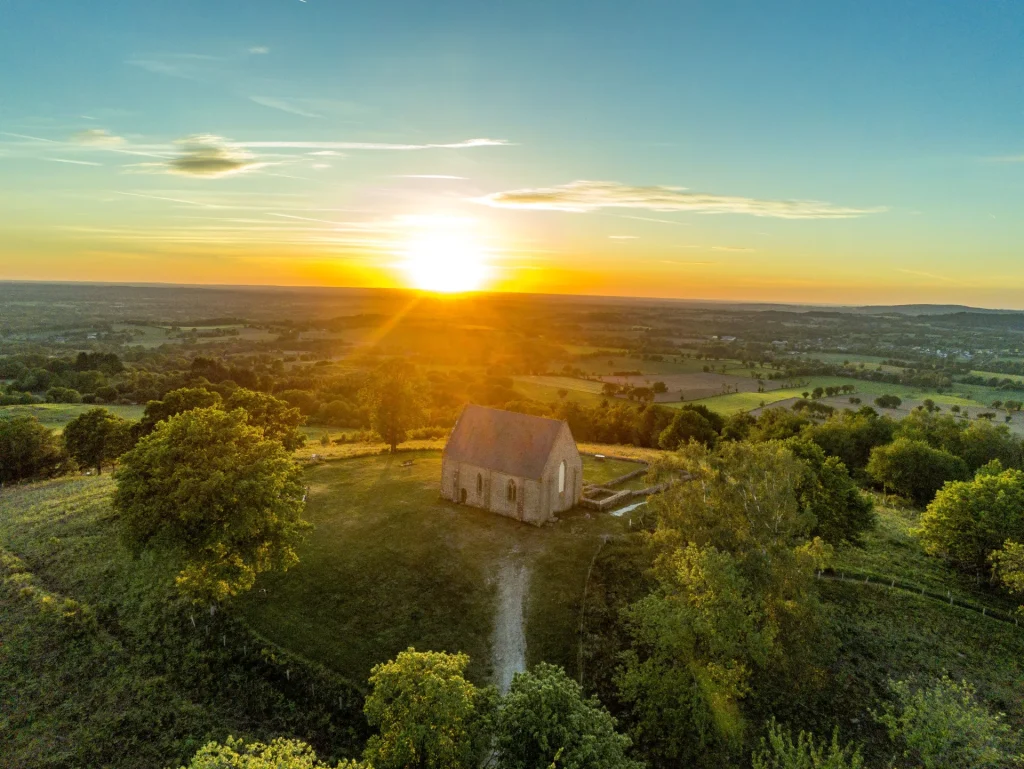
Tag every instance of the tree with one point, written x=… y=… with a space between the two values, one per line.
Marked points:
x=686 y=426
x=968 y=520
x=841 y=512
x=852 y=436
x=777 y=424
x=28 y=450
x=545 y=719
x=734 y=607
x=780 y=751
x=392 y=398
x=913 y=469
x=97 y=436
x=279 y=754
x=888 y=402
x=63 y=395
x=659 y=388
x=175 y=402
x=277 y=420
x=427 y=714
x=944 y=726
x=212 y=487
x=1008 y=567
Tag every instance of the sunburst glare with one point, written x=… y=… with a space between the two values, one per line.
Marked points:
x=445 y=255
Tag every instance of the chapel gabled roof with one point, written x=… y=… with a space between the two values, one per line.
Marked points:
x=506 y=441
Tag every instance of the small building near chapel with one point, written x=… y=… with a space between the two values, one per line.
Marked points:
x=518 y=465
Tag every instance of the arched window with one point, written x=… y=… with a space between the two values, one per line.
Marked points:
x=511 y=491
x=479 y=484
x=561 y=477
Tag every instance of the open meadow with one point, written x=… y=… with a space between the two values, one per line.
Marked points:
x=391 y=565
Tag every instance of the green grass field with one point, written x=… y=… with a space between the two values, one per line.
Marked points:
x=545 y=389
x=962 y=395
x=391 y=565
x=56 y=415
x=600 y=471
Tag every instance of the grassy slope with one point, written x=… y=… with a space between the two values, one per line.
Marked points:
x=137 y=685
x=892 y=634
x=391 y=565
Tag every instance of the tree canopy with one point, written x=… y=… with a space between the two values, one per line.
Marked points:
x=278 y=754
x=97 y=436
x=546 y=720
x=969 y=520
x=211 y=486
x=29 y=450
x=393 y=398
x=914 y=469
x=427 y=714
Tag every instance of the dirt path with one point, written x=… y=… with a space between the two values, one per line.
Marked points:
x=509 y=647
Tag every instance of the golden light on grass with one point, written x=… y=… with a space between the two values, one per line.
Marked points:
x=444 y=255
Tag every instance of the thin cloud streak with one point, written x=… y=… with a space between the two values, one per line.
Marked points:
x=585 y=196
x=467 y=144
x=74 y=162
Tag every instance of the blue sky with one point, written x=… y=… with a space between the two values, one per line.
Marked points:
x=854 y=152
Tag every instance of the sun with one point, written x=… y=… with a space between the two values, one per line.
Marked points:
x=445 y=256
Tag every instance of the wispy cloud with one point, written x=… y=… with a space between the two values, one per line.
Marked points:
x=284 y=105
x=732 y=249
x=584 y=196
x=313 y=145
x=427 y=176
x=259 y=50
x=623 y=237
x=75 y=162
x=188 y=66
x=97 y=137
x=931 y=275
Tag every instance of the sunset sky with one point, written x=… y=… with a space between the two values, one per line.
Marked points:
x=868 y=152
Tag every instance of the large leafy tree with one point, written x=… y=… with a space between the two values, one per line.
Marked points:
x=914 y=469
x=851 y=436
x=841 y=512
x=97 y=436
x=427 y=714
x=686 y=426
x=392 y=397
x=176 y=402
x=734 y=609
x=211 y=486
x=968 y=520
x=545 y=719
x=28 y=450
x=278 y=420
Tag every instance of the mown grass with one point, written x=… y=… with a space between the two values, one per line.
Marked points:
x=600 y=471
x=391 y=565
